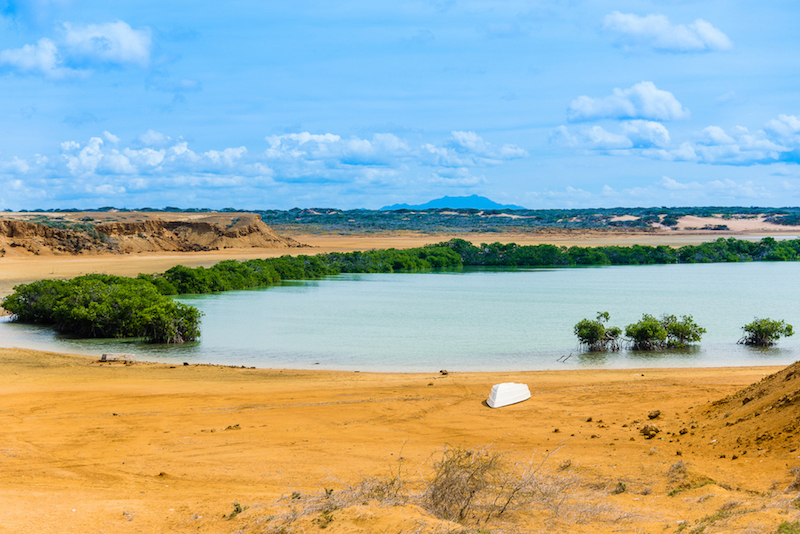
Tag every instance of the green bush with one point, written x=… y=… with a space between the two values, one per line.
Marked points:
x=647 y=334
x=104 y=306
x=594 y=336
x=651 y=333
x=765 y=332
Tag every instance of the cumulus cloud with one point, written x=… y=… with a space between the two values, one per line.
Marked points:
x=79 y=47
x=461 y=149
x=785 y=129
x=333 y=150
x=657 y=32
x=41 y=58
x=633 y=134
x=153 y=138
x=646 y=133
x=111 y=138
x=96 y=157
x=103 y=167
x=110 y=42
x=641 y=101
x=466 y=148
x=778 y=141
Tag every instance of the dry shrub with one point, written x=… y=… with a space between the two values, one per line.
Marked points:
x=795 y=485
x=677 y=470
x=730 y=505
x=462 y=481
x=476 y=484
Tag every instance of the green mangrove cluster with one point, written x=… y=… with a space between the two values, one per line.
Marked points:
x=668 y=332
x=113 y=306
x=98 y=305
x=721 y=250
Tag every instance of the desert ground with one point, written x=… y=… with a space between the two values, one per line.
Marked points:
x=108 y=447
x=91 y=446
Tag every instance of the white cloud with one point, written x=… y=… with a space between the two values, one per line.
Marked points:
x=674 y=185
x=779 y=141
x=641 y=101
x=76 y=47
x=601 y=139
x=657 y=32
x=646 y=133
x=590 y=138
x=110 y=42
x=786 y=128
x=562 y=136
x=461 y=149
x=146 y=157
x=42 y=59
x=466 y=148
x=156 y=166
x=714 y=135
x=153 y=138
x=15 y=167
x=111 y=138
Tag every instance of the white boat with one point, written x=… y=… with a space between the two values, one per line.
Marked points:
x=508 y=393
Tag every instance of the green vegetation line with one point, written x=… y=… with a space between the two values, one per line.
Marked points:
x=113 y=306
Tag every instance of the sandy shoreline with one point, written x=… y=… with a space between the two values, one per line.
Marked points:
x=153 y=447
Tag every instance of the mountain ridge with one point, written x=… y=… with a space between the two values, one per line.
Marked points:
x=466 y=202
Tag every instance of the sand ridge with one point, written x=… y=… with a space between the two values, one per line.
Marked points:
x=112 y=232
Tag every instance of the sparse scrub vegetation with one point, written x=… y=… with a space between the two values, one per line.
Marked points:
x=474 y=490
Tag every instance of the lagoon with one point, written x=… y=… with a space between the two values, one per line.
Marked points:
x=470 y=320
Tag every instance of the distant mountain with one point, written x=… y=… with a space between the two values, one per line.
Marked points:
x=470 y=202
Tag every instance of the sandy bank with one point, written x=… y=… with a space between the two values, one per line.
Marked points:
x=157 y=448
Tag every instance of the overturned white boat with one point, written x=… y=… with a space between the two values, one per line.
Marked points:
x=508 y=393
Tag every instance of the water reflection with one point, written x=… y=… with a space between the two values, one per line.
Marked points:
x=686 y=354
x=594 y=359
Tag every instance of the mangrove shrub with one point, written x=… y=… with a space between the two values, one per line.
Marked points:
x=104 y=306
x=651 y=333
x=765 y=332
x=594 y=336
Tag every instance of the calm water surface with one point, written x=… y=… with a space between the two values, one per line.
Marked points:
x=471 y=320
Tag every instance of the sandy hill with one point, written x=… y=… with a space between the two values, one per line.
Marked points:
x=24 y=234
x=761 y=419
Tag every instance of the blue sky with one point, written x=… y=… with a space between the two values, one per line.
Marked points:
x=350 y=104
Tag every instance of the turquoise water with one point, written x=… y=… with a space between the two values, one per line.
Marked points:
x=471 y=320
